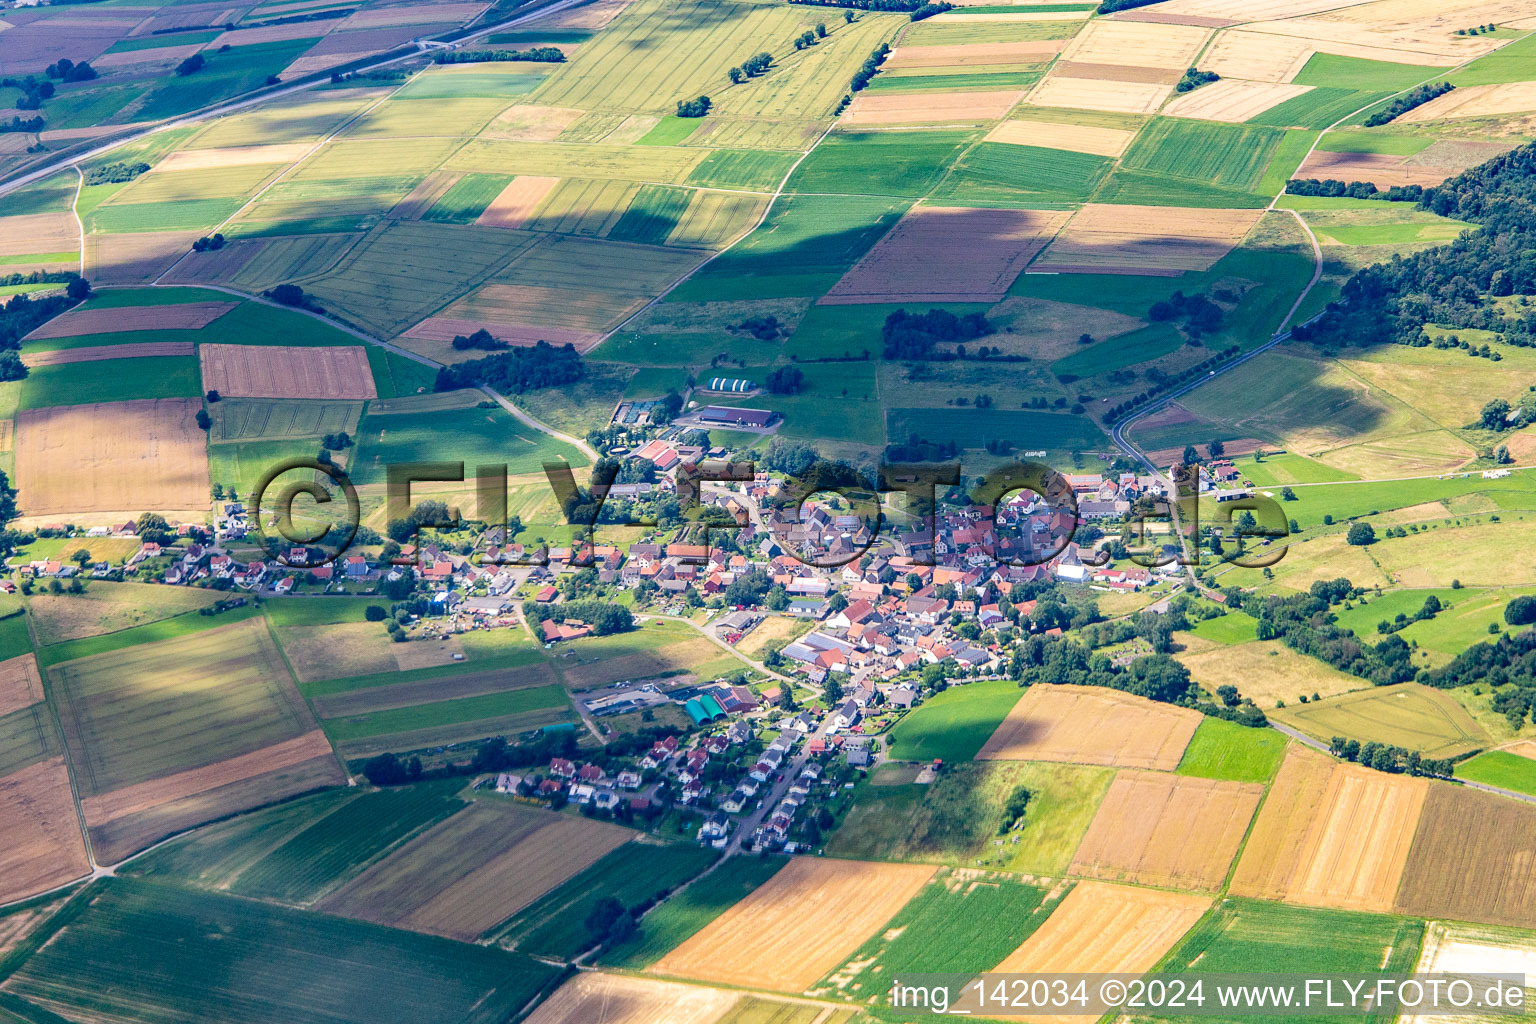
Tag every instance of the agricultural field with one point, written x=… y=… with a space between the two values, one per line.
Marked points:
x=953 y=725
x=1268 y=673
x=961 y=921
x=1089 y=725
x=767 y=940
x=1225 y=750
x=1463 y=864
x=165 y=952
x=1510 y=769
x=470 y=873
x=1405 y=715
x=108 y=607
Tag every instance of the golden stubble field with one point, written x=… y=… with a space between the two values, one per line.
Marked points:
x=612 y=999
x=42 y=846
x=1092 y=725
x=797 y=926
x=1160 y=829
x=145 y=455
x=1331 y=835
x=281 y=371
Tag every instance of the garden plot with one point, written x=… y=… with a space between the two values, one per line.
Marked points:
x=1076 y=138
x=1091 y=94
x=1092 y=725
x=1232 y=100
x=185 y=316
x=337 y=372
x=1145 y=239
x=114 y=457
x=1167 y=830
x=930 y=107
x=800 y=924
x=948 y=254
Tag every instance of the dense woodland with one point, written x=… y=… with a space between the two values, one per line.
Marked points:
x=1455 y=285
x=512 y=373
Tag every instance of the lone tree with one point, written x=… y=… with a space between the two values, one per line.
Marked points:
x=1217 y=449
x=203 y=419
x=1190 y=455
x=191 y=65
x=1360 y=534
x=1521 y=611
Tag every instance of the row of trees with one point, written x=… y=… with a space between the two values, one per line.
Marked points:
x=603 y=617
x=536 y=54
x=481 y=340
x=753 y=66
x=1417 y=98
x=66 y=70
x=1386 y=758
x=1165 y=383
x=696 y=107
x=33 y=91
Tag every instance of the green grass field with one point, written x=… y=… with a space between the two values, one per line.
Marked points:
x=1140 y=346
x=1232 y=628
x=1227 y=156
x=995 y=173
x=802 y=248
x=954 y=724
x=473 y=436
x=1502 y=769
x=555 y=924
x=1510 y=63
x=973 y=428
x=140 y=951
x=955 y=820
x=111 y=380
x=953 y=925
x=1226 y=750
x=687 y=912
x=742 y=169
x=1240 y=936
x=460 y=711
x=879 y=163
x=651 y=216
x=467 y=199
x=1406 y=715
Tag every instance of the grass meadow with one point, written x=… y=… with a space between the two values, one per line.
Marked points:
x=1502 y=769
x=1225 y=750
x=686 y=913
x=953 y=725
x=1406 y=715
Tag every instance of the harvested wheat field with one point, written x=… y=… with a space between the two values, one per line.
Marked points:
x=1077 y=138
x=39 y=233
x=1454 y=948
x=1089 y=94
x=1477 y=101
x=1100 y=927
x=1251 y=10
x=414 y=14
x=1168 y=830
x=1266 y=671
x=280 y=371
x=140 y=797
x=96 y=353
x=590 y=998
x=532 y=123
x=962 y=17
x=797 y=926
x=943 y=254
x=43 y=847
x=1092 y=725
x=1141 y=44
x=1380 y=169
x=470 y=873
x=1474 y=859
x=989 y=54
x=186 y=316
x=1336 y=840
x=1233 y=101
x=1132 y=238
x=931 y=107
x=145 y=455
x=1434 y=48
x=235 y=156
x=136 y=258
x=1256 y=57
x=20 y=685
x=514 y=207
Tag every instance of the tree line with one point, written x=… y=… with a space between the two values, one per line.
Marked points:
x=537 y=55
x=1386 y=758
x=1417 y=98
x=914 y=335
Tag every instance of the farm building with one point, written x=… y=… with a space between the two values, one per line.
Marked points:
x=704 y=709
x=732 y=385
x=733 y=416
